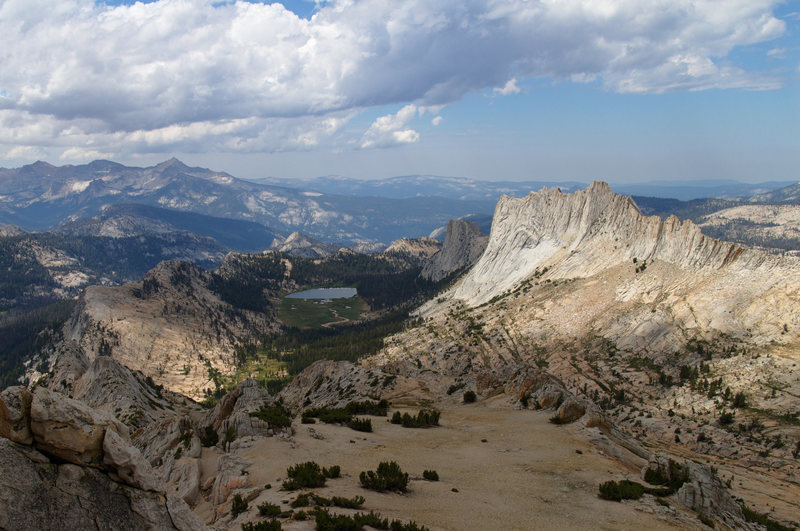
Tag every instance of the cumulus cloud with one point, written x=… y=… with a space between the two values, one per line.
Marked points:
x=509 y=88
x=391 y=130
x=436 y=120
x=235 y=75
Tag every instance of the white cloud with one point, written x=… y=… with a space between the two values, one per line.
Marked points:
x=776 y=52
x=391 y=129
x=199 y=75
x=76 y=154
x=436 y=120
x=509 y=88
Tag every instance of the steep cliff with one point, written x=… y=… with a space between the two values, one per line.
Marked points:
x=464 y=243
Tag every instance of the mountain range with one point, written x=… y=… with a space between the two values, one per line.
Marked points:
x=42 y=196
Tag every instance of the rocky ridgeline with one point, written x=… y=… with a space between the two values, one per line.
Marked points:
x=413 y=251
x=586 y=232
x=464 y=244
x=298 y=244
x=173 y=446
x=171 y=327
x=65 y=465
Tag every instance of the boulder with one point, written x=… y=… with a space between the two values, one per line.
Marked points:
x=128 y=463
x=570 y=411
x=70 y=430
x=15 y=410
x=182 y=517
x=229 y=477
x=184 y=480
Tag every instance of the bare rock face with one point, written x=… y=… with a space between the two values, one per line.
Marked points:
x=15 y=406
x=167 y=327
x=413 y=251
x=70 y=430
x=107 y=385
x=38 y=494
x=549 y=236
x=300 y=245
x=464 y=244
x=323 y=384
x=128 y=463
x=703 y=491
x=185 y=476
x=233 y=411
x=229 y=477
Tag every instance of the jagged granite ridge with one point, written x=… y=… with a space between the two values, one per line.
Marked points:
x=464 y=244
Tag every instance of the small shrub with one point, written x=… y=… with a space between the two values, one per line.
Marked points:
x=726 y=419
x=455 y=387
x=470 y=397
x=761 y=518
x=325 y=521
x=740 y=400
x=333 y=472
x=301 y=515
x=430 y=475
x=379 y=409
x=238 y=506
x=266 y=525
x=348 y=503
x=209 y=437
x=358 y=424
x=623 y=490
x=424 y=419
x=275 y=416
x=269 y=509
x=304 y=476
x=677 y=476
x=302 y=500
x=389 y=476
x=706 y=520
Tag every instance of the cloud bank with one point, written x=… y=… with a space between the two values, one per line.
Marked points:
x=201 y=75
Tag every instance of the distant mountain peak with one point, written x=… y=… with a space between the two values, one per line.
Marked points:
x=171 y=163
x=39 y=166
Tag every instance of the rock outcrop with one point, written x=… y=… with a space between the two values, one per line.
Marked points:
x=70 y=430
x=233 y=411
x=300 y=245
x=15 y=421
x=413 y=251
x=64 y=465
x=702 y=490
x=169 y=328
x=36 y=493
x=464 y=244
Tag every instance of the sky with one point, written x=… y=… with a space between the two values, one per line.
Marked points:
x=560 y=90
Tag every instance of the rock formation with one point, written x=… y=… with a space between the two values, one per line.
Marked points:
x=172 y=328
x=300 y=245
x=414 y=251
x=64 y=465
x=464 y=243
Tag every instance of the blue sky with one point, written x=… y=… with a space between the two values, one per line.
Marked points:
x=624 y=91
